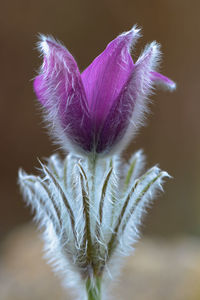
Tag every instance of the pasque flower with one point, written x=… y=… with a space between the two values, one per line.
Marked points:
x=90 y=204
x=100 y=109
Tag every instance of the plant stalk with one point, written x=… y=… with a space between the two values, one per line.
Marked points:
x=93 y=288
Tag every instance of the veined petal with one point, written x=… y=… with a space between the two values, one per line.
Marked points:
x=127 y=111
x=60 y=90
x=104 y=79
x=163 y=81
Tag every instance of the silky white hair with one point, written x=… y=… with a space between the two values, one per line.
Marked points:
x=90 y=211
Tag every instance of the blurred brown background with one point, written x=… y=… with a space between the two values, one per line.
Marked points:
x=86 y=26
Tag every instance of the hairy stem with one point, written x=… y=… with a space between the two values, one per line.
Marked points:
x=93 y=163
x=93 y=288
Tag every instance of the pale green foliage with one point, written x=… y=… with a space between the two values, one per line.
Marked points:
x=90 y=211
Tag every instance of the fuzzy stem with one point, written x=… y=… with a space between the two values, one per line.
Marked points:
x=93 y=288
x=93 y=172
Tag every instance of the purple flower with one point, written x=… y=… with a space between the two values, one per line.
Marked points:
x=100 y=109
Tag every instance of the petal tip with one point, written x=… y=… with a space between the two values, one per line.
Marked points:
x=172 y=86
x=155 y=47
x=42 y=44
x=135 y=30
x=132 y=35
x=46 y=42
x=163 y=81
x=151 y=56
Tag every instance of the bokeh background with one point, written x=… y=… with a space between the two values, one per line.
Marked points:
x=85 y=27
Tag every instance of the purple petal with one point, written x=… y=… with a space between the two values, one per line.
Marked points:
x=163 y=81
x=39 y=89
x=60 y=90
x=104 y=79
x=127 y=111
